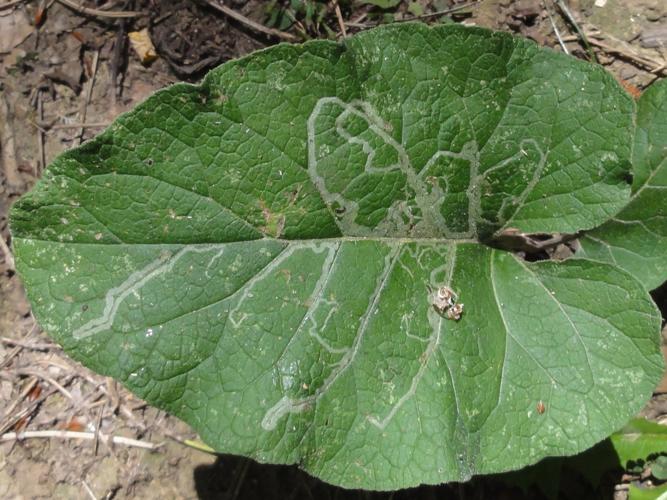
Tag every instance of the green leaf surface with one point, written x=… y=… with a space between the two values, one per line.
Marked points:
x=656 y=493
x=639 y=440
x=261 y=254
x=636 y=239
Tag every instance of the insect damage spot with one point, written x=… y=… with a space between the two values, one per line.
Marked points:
x=274 y=223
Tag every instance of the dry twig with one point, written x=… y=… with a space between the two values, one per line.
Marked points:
x=11 y=422
x=50 y=380
x=250 y=23
x=652 y=65
x=61 y=126
x=28 y=345
x=9 y=5
x=443 y=12
x=99 y=13
x=47 y=127
x=26 y=390
x=40 y=136
x=98 y=425
x=555 y=28
x=89 y=93
x=12 y=354
x=339 y=16
x=358 y=24
x=584 y=39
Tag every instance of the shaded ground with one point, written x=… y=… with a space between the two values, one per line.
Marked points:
x=61 y=69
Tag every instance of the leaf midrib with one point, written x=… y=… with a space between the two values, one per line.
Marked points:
x=344 y=239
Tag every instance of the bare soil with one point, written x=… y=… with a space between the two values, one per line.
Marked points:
x=61 y=68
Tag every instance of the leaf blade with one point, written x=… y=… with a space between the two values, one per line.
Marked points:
x=636 y=238
x=258 y=255
x=380 y=388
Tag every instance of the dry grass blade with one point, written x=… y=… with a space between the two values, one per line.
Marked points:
x=48 y=434
x=89 y=491
x=584 y=39
x=555 y=28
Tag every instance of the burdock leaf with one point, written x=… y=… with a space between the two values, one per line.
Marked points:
x=290 y=256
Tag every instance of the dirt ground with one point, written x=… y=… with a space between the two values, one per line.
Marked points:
x=66 y=72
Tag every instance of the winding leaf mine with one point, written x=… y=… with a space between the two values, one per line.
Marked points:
x=261 y=255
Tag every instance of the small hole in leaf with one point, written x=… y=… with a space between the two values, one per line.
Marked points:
x=628 y=177
x=338 y=209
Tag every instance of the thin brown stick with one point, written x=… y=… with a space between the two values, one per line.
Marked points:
x=555 y=28
x=89 y=93
x=443 y=12
x=12 y=354
x=9 y=5
x=120 y=47
x=48 y=379
x=250 y=23
x=24 y=393
x=570 y=17
x=98 y=424
x=46 y=127
x=358 y=24
x=358 y=20
x=652 y=65
x=41 y=137
x=11 y=422
x=14 y=436
x=62 y=126
x=27 y=345
x=60 y=363
x=339 y=16
x=99 y=13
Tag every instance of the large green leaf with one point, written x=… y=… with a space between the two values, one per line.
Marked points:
x=636 y=239
x=260 y=256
